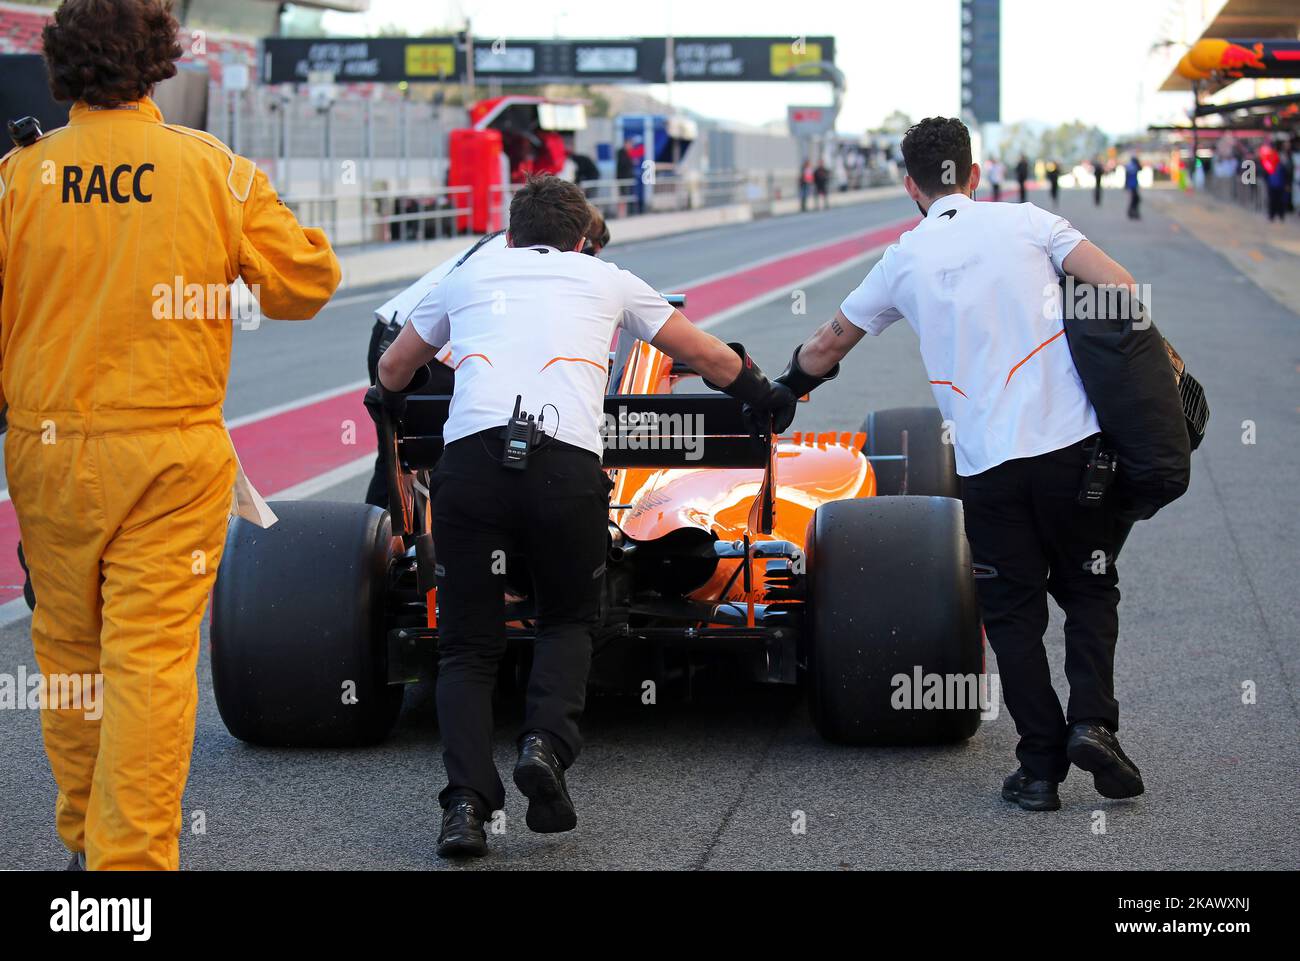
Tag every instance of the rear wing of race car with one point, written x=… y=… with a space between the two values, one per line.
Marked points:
x=638 y=431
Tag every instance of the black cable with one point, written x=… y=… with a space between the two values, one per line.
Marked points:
x=549 y=437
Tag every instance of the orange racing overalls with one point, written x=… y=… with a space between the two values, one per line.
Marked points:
x=120 y=238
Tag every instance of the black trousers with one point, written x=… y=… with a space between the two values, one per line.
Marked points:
x=554 y=517
x=1029 y=538
x=1134 y=205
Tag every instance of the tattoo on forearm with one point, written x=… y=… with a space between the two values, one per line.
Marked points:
x=837 y=328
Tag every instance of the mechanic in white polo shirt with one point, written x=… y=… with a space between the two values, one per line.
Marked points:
x=978 y=283
x=393 y=315
x=530 y=325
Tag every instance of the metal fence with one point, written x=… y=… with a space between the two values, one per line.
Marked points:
x=347 y=138
x=375 y=170
x=401 y=214
x=383 y=215
x=1231 y=188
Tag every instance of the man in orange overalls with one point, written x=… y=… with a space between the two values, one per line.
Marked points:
x=120 y=237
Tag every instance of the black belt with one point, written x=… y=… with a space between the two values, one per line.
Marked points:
x=491 y=439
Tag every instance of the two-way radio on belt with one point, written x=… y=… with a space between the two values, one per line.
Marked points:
x=520 y=436
x=25 y=132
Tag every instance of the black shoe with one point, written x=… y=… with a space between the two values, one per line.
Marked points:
x=78 y=863
x=1029 y=792
x=539 y=775
x=462 y=834
x=1095 y=748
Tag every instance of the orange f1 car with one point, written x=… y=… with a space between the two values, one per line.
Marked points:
x=835 y=559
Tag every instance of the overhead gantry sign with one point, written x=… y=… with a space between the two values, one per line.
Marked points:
x=634 y=60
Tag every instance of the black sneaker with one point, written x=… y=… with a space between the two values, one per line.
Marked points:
x=1029 y=792
x=462 y=834
x=1095 y=748
x=78 y=863
x=540 y=776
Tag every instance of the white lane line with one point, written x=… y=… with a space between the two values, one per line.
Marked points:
x=783 y=255
x=11 y=612
x=274 y=411
x=322 y=482
x=824 y=274
x=380 y=296
x=297 y=404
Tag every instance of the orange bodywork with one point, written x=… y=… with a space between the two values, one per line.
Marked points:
x=809 y=470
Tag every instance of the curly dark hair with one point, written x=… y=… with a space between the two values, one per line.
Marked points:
x=936 y=152
x=107 y=52
x=551 y=211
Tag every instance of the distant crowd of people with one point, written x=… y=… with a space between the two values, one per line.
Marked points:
x=814 y=181
x=995 y=172
x=848 y=167
x=1271 y=165
x=1279 y=171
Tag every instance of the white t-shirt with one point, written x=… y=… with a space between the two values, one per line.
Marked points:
x=978 y=283
x=537 y=323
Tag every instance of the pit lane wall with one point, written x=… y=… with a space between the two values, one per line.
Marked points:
x=388 y=263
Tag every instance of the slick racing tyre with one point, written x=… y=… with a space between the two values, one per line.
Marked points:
x=299 y=647
x=930 y=469
x=892 y=612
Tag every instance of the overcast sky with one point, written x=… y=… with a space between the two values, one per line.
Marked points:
x=1061 y=59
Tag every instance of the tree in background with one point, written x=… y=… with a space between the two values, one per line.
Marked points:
x=1018 y=140
x=1072 y=143
x=1068 y=144
x=897 y=122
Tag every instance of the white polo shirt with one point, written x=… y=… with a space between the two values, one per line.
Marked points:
x=978 y=283
x=534 y=322
x=411 y=302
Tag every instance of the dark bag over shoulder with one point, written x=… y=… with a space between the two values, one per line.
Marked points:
x=1151 y=411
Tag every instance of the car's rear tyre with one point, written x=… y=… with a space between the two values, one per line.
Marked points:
x=890 y=591
x=299 y=652
x=931 y=468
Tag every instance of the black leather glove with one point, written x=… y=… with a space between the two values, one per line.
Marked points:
x=799 y=381
x=379 y=398
x=769 y=407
